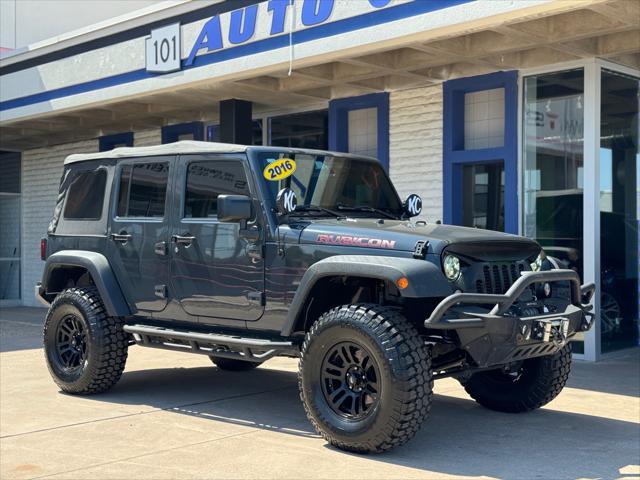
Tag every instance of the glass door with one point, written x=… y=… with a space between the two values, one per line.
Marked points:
x=619 y=203
x=553 y=160
x=9 y=228
x=483 y=195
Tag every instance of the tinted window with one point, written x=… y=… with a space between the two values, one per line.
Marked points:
x=143 y=190
x=301 y=130
x=207 y=180
x=86 y=196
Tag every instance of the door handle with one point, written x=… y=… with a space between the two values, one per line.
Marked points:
x=183 y=239
x=120 y=237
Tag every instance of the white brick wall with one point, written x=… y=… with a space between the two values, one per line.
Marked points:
x=145 y=138
x=41 y=171
x=415 y=146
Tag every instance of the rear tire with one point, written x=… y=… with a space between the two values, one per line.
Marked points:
x=365 y=378
x=85 y=349
x=536 y=383
x=233 y=365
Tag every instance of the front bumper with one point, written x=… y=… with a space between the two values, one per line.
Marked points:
x=490 y=332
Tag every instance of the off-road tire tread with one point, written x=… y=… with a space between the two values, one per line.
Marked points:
x=106 y=334
x=410 y=361
x=554 y=373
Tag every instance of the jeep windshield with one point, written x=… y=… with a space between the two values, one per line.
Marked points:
x=327 y=185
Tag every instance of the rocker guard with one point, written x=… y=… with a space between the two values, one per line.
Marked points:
x=493 y=337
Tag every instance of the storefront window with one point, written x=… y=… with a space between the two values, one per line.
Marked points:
x=619 y=163
x=483 y=196
x=363 y=131
x=9 y=227
x=553 y=166
x=484 y=119
x=300 y=130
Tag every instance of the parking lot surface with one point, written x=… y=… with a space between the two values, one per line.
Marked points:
x=174 y=415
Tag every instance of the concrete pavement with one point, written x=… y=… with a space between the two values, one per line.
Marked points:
x=174 y=415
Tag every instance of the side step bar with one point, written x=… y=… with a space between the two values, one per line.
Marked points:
x=227 y=346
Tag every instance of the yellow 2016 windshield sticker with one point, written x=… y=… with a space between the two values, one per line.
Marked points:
x=279 y=169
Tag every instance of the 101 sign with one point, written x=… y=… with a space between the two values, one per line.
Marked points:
x=163 y=49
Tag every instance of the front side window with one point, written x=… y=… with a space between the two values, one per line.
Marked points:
x=206 y=180
x=86 y=196
x=337 y=183
x=143 y=190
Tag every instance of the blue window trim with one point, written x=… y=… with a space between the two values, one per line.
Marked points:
x=109 y=142
x=171 y=133
x=455 y=156
x=339 y=122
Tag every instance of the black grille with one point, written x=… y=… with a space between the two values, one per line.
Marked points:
x=497 y=278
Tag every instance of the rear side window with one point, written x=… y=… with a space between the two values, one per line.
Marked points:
x=207 y=180
x=143 y=190
x=86 y=196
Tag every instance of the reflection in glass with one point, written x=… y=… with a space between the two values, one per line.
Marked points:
x=301 y=130
x=10 y=203
x=483 y=196
x=553 y=127
x=619 y=211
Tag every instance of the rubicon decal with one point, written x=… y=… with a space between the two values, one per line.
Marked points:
x=355 y=241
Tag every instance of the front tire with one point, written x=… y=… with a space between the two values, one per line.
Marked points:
x=534 y=384
x=85 y=349
x=365 y=378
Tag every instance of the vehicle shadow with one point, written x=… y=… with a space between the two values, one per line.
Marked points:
x=459 y=438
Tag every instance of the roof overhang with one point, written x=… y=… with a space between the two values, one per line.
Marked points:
x=341 y=57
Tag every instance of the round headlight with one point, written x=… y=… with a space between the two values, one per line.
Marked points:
x=537 y=264
x=451 y=266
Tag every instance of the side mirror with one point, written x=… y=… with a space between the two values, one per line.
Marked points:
x=234 y=208
x=413 y=205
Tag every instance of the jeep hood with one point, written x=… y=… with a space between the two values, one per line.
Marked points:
x=402 y=235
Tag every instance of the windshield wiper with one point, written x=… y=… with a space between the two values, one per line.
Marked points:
x=315 y=208
x=366 y=208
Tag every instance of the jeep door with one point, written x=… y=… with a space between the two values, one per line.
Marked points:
x=139 y=230
x=217 y=269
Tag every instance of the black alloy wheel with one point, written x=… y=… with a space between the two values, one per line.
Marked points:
x=71 y=343
x=350 y=380
x=85 y=349
x=365 y=377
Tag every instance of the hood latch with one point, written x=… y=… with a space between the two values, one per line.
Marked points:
x=420 y=250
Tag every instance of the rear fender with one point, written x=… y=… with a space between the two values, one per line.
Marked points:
x=100 y=271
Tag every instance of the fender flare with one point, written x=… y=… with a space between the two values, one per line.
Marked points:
x=101 y=272
x=425 y=278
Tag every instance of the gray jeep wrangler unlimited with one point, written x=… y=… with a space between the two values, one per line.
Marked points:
x=244 y=253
